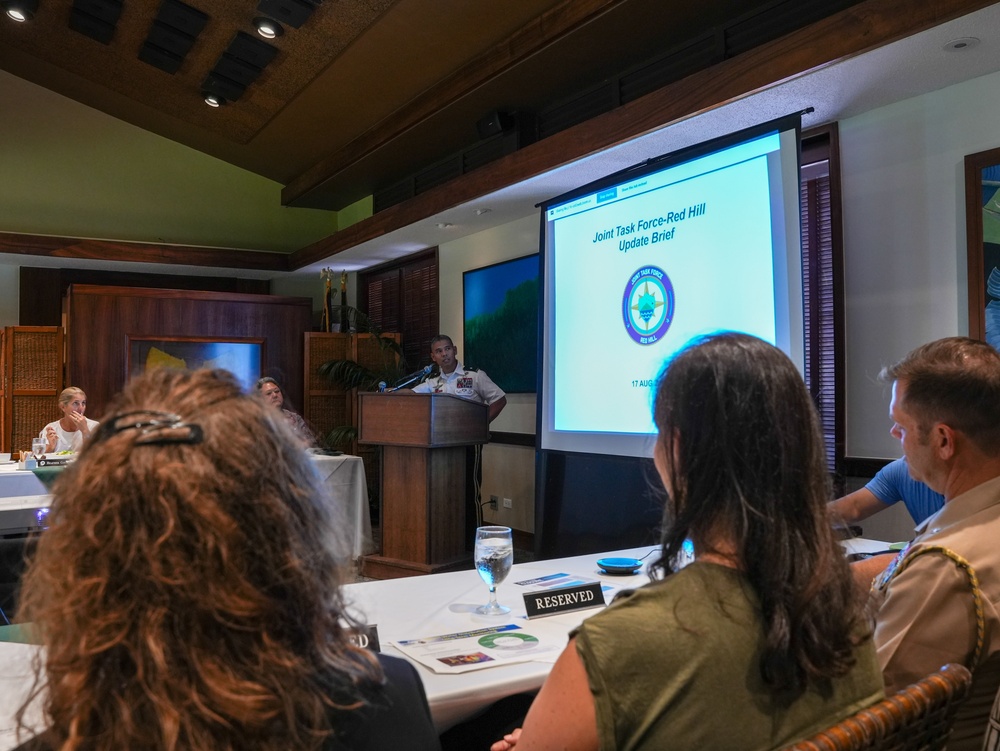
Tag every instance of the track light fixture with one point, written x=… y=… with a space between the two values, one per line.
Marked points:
x=20 y=10
x=213 y=100
x=267 y=28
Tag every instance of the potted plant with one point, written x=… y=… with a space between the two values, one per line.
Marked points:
x=383 y=368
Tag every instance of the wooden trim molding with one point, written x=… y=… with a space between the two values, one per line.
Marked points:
x=188 y=294
x=114 y=250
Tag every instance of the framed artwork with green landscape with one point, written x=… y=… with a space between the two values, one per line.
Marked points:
x=501 y=323
x=982 y=224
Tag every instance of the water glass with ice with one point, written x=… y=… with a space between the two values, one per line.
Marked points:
x=494 y=554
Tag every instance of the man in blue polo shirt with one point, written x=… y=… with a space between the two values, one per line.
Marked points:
x=891 y=485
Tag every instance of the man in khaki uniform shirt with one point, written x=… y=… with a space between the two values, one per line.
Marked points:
x=946 y=414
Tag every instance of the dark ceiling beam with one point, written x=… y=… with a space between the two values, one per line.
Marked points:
x=851 y=32
x=112 y=250
x=544 y=30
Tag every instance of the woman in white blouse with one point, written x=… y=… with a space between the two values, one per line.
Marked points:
x=70 y=431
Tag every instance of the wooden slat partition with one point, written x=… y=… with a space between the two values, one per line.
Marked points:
x=33 y=378
x=326 y=405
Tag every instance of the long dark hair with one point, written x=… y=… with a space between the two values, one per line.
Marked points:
x=746 y=465
x=186 y=589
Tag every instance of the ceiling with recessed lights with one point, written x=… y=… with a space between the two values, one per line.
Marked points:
x=356 y=95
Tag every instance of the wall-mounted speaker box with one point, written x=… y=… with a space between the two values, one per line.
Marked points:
x=494 y=122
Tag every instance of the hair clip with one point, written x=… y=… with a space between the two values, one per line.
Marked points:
x=155 y=428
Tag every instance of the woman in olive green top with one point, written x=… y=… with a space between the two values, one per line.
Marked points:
x=762 y=640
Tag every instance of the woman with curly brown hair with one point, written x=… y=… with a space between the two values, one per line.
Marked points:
x=187 y=594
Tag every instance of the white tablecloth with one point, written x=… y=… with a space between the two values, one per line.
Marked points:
x=444 y=603
x=425 y=606
x=343 y=479
x=415 y=606
x=23 y=513
x=16 y=676
x=16 y=482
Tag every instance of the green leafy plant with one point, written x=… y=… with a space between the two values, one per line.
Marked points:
x=387 y=365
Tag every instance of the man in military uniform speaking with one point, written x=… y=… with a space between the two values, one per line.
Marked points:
x=452 y=378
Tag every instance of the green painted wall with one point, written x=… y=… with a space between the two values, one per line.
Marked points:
x=69 y=170
x=355 y=212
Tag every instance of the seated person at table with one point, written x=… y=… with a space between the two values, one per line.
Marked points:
x=939 y=601
x=70 y=431
x=890 y=485
x=273 y=395
x=762 y=640
x=187 y=594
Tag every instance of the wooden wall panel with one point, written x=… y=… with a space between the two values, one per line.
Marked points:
x=100 y=319
x=41 y=290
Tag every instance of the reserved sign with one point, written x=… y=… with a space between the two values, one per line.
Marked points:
x=538 y=604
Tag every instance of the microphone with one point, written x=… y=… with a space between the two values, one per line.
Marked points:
x=418 y=375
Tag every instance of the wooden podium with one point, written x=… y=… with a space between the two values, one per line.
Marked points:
x=423 y=478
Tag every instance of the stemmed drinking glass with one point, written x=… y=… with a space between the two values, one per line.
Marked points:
x=38 y=447
x=494 y=556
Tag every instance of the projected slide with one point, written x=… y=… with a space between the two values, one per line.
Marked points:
x=635 y=270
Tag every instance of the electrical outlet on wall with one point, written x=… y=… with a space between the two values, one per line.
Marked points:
x=507 y=503
x=493 y=502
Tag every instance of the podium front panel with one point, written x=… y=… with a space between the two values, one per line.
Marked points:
x=422 y=420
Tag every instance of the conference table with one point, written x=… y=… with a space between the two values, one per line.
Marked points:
x=344 y=485
x=415 y=608
x=24 y=501
x=21 y=514
x=441 y=604
x=19 y=482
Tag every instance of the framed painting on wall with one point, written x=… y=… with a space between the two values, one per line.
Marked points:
x=982 y=217
x=501 y=322
x=243 y=357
